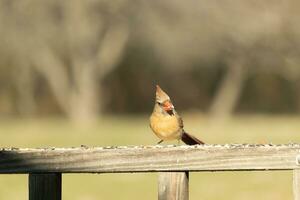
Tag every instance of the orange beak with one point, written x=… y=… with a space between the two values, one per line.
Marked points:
x=167 y=106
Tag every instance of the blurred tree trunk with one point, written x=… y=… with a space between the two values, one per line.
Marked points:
x=93 y=51
x=229 y=91
x=291 y=72
x=75 y=92
x=55 y=73
x=85 y=101
x=297 y=84
x=25 y=86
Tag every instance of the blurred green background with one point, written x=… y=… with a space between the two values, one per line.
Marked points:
x=84 y=73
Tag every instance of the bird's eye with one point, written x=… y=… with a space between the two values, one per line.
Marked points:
x=159 y=103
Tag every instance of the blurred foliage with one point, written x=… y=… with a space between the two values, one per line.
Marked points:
x=84 y=58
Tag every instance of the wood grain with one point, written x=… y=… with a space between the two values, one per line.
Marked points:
x=296 y=184
x=45 y=186
x=173 y=186
x=150 y=158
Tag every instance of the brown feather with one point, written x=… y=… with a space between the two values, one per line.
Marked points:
x=190 y=140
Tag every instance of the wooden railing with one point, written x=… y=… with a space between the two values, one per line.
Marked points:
x=45 y=165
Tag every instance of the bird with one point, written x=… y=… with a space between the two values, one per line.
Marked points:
x=166 y=123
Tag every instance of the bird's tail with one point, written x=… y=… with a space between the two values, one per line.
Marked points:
x=190 y=140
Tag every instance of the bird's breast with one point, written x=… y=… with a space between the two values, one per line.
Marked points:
x=166 y=127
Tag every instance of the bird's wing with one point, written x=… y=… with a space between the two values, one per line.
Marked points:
x=180 y=121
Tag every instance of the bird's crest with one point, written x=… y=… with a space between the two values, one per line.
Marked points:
x=161 y=96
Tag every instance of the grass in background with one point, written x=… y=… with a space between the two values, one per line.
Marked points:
x=130 y=130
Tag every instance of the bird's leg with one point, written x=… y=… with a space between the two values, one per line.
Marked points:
x=160 y=141
x=178 y=142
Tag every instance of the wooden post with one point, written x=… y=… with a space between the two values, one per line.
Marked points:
x=296 y=184
x=173 y=186
x=45 y=186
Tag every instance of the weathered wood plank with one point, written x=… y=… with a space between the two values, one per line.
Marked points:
x=173 y=186
x=296 y=184
x=45 y=186
x=150 y=159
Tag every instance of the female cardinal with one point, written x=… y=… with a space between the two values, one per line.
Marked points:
x=166 y=123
